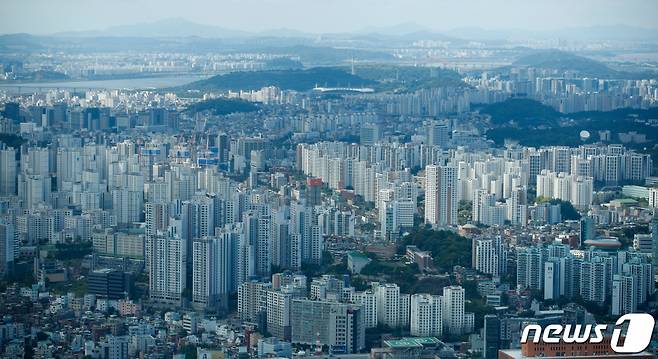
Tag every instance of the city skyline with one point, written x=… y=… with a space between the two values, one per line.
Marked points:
x=314 y=179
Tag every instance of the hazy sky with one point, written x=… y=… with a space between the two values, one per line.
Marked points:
x=49 y=16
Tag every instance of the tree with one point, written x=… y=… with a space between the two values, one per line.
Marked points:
x=567 y=210
x=448 y=248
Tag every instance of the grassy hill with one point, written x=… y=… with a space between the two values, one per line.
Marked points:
x=299 y=80
x=222 y=106
x=521 y=113
x=379 y=77
x=410 y=78
x=568 y=132
x=565 y=61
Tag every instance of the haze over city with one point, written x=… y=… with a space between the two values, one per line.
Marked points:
x=336 y=16
x=328 y=179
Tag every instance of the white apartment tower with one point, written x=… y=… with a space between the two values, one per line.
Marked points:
x=388 y=304
x=368 y=301
x=453 y=310
x=441 y=195
x=213 y=271
x=426 y=316
x=167 y=270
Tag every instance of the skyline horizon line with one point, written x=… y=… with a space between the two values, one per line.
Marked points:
x=383 y=29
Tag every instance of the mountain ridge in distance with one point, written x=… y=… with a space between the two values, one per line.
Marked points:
x=585 y=33
x=181 y=27
x=170 y=27
x=566 y=61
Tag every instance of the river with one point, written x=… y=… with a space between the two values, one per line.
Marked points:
x=117 y=84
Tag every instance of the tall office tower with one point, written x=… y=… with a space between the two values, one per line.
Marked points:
x=7 y=248
x=491 y=336
x=167 y=270
x=369 y=134
x=368 y=302
x=108 y=283
x=8 y=169
x=587 y=229
x=489 y=256
x=127 y=205
x=157 y=217
x=426 y=317
x=552 y=275
x=530 y=267
x=388 y=304
x=59 y=114
x=338 y=325
x=313 y=191
x=438 y=134
x=280 y=239
x=535 y=166
x=213 y=266
x=453 y=310
x=223 y=147
x=624 y=296
x=441 y=195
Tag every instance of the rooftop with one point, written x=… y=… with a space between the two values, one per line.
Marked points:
x=412 y=342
